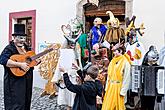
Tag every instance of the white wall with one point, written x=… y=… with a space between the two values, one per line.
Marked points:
x=152 y=13
x=50 y=15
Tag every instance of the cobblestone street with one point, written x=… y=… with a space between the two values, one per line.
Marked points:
x=38 y=103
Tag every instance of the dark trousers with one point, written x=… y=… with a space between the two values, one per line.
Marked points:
x=18 y=92
x=147 y=102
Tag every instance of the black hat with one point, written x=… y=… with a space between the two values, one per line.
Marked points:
x=19 y=30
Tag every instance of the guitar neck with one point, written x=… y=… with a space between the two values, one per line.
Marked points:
x=41 y=54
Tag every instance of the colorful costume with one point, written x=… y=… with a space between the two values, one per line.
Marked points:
x=114 y=31
x=134 y=48
x=117 y=84
x=98 y=31
x=136 y=52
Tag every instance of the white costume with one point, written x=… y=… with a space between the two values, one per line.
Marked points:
x=136 y=51
x=67 y=57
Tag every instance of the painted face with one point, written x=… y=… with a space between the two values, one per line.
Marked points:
x=132 y=36
x=20 y=40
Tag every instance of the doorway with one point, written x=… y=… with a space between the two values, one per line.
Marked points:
x=91 y=11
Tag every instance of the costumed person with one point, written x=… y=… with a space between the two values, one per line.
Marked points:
x=102 y=62
x=135 y=53
x=83 y=45
x=114 y=32
x=86 y=92
x=98 y=32
x=134 y=48
x=118 y=80
x=17 y=89
x=149 y=65
x=69 y=53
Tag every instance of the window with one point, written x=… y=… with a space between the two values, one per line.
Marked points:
x=29 y=19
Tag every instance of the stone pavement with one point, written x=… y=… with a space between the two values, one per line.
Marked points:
x=38 y=103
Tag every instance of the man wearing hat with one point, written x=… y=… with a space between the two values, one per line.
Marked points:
x=17 y=89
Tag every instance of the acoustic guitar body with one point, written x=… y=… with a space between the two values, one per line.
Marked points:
x=22 y=58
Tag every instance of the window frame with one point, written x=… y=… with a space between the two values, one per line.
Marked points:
x=23 y=14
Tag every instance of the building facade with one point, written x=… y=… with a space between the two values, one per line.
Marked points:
x=44 y=20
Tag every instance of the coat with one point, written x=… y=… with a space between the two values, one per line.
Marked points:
x=95 y=33
x=85 y=94
x=17 y=90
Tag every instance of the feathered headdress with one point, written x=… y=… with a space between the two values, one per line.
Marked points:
x=131 y=26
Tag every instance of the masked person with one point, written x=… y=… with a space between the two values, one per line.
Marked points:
x=98 y=32
x=17 y=90
x=114 y=32
x=150 y=65
x=135 y=51
x=69 y=54
x=118 y=80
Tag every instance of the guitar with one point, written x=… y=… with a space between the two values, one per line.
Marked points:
x=30 y=58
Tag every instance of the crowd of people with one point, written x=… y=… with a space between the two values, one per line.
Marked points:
x=100 y=81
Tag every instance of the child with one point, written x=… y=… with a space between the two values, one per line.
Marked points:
x=86 y=93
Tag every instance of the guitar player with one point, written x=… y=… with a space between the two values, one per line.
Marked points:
x=17 y=90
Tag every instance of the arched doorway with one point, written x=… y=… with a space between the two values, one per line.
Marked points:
x=87 y=11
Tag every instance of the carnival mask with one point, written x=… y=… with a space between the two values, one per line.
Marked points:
x=20 y=40
x=132 y=36
x=72 y=31
x=153 y=55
